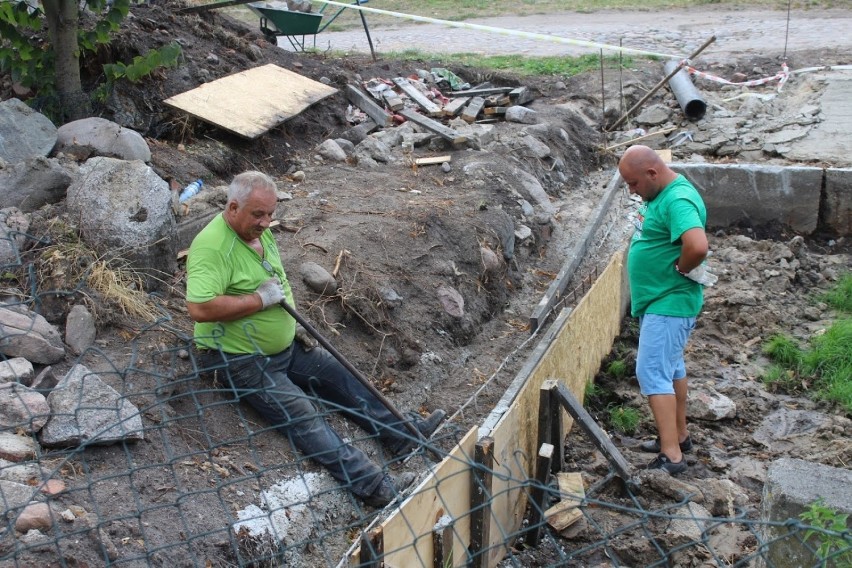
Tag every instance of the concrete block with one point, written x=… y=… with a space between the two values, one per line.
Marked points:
x=756 y=195
x=791 y=486
x=837 y=214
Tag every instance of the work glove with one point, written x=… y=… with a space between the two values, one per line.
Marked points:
x=701 y=274
x=270 y=292
x=306 y=339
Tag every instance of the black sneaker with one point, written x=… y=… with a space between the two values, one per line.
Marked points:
x=426 y=426
x=388 y=489
x=663 y=462
x=653 y=446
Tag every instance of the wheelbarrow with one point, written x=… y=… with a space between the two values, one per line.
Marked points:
x=276 y=20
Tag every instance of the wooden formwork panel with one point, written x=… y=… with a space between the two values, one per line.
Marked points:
x=407 y=534
x=573 y=358
x=572 y=354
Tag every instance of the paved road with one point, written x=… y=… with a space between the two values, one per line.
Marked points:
x=739 y=32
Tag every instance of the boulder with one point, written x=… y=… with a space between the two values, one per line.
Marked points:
x=35 y=182
x=24 y=133
x=125 y=211
x=95 y=136
x=27 y=334
x=86 y=410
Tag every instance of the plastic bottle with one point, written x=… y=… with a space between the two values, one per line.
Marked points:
x=190 y=190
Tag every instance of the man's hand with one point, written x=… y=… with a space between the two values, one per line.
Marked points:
x=306 y=339
x=270 y=292
x=700 y=274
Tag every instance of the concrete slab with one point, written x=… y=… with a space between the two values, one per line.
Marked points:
x=837 y=214
x=829 y=141
x=791 y=486
x=755 y=194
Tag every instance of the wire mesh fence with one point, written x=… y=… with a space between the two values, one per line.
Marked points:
x=135 y=453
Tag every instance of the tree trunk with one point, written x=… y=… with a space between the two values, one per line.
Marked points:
x=63 y=18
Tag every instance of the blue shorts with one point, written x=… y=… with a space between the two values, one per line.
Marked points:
x=659 y=362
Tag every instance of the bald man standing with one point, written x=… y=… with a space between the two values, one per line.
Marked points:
x=664 y=265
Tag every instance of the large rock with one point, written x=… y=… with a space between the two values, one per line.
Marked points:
x=13 y=234
x=22 y=408
x=36 y=182
x=24 y=133
x=84 y=409
x=15 y=496
x=27 y=334
x=125 y=211
x=80 y=329
x=16 y=448
x=96 y=136
x=16 y=370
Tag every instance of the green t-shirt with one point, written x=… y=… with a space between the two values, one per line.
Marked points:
x=220 y=263
x=655 y=285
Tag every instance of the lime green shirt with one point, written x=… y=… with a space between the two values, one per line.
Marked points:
x=655 y=285
x=220 y=263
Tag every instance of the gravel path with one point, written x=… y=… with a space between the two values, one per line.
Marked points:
x=739 y=32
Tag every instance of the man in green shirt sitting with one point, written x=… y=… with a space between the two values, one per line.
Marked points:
x=235 y=283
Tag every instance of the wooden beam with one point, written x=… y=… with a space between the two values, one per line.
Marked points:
x=495 y=111
x=594 y=432
x=480 y=92
x=473 y=109
x=567 y=512
x=538 y=493
x=442 y=541
x=556 y=430
x=545 y=394
x=480 y=502
x=372 y=549
x=434 y=126
x=454 y=107
x=433 y=160
x=430 y=107
x=358 y=98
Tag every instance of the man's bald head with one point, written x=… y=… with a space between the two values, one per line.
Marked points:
x=644 y=172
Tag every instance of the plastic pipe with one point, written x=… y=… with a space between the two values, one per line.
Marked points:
x=687 y=95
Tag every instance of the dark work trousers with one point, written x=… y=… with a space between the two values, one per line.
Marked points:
x=281 y=388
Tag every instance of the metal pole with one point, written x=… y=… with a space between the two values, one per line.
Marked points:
x=660 y=84
x=349 y=367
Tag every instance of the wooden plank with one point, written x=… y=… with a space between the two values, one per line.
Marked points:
x=557 y=432
x=372 y=549
x=495 y=111
x=433 y=160
x=473 y=109
x=538 y=493
x=480 y=92
x=566 y=512
x=393 y=100
x=360 y=99
x=422 y=100
x=454 y=107
x=442 y=541
x=251 y=102
x=434 y=126
x=595 y=433
x=480 y=502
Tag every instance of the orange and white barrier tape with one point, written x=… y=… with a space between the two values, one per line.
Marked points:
x=781 y=77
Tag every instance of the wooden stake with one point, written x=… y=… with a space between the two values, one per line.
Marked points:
x=480 y=502
x=538 y=494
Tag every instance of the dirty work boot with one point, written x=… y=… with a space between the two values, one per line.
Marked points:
x=663 y=462
x=653 y=446
x=426 y=426
x=388 y=489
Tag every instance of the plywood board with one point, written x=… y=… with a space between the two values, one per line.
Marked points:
x=408 y=532
x=251 y=102
x=573 y=358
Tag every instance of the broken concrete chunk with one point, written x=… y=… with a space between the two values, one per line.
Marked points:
x=710 y=405
x=84 y=409
x=521 y=114
x=27 y=334
x=654 y=115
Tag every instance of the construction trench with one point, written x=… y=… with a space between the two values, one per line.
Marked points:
x=491 y=488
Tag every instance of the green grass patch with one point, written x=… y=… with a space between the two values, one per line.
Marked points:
x=840 y=295
x=552 y=65
x=823 y=369
x=827 y=534
x=617 y=369
x=623 y=419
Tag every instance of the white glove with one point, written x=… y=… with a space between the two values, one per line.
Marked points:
x=270 y=292
x=700 y=274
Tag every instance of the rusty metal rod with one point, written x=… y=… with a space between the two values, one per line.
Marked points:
x=355 y=372
x=659 y=85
